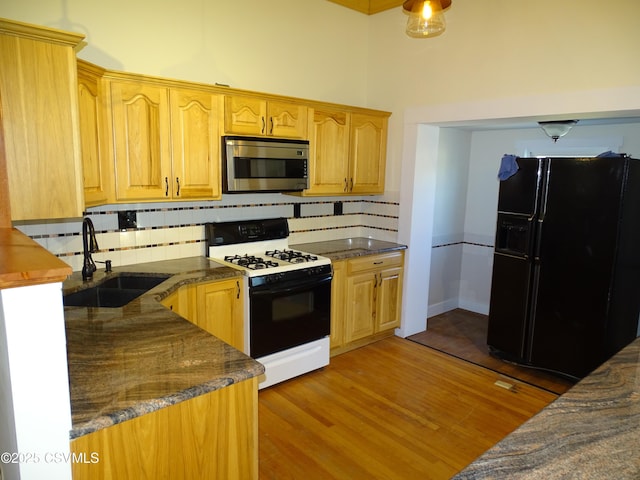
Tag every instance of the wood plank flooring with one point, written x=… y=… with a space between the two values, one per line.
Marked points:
x=394 y=410
x=464 y=334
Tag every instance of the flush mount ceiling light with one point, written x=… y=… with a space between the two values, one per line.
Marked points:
x=557 y=129
x=426 y=17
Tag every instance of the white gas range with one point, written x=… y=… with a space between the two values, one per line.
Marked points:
x=288 y=298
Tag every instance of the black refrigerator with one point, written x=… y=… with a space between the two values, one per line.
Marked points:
x=565 y=291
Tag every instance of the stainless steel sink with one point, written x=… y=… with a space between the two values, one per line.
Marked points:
x=114 y=292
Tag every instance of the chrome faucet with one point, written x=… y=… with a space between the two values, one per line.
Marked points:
x=89 y=245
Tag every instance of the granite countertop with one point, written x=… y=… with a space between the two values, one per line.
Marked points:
x=129 y=361
x=590 y=432
x=349 y=247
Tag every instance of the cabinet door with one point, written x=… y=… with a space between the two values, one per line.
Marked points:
x=368 y=153
x=287 y=120
x=196 y=144
x=91 y=130
x=360 y=306
x=338 y=304
x=388 y=299
x=220 y=311
x=328 y=153
x=38 y=87
x=245 y=115
x=141 y=136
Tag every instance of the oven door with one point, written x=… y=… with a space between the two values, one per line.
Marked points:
x=286 y=314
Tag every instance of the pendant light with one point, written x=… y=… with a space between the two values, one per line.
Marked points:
x=426 y=17
x=557 y=129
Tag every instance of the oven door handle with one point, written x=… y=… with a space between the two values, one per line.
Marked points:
x=289 y=287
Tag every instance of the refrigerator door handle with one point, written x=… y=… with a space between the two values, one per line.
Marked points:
x=538 y=243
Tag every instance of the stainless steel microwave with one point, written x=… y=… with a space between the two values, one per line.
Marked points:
x=252 y=164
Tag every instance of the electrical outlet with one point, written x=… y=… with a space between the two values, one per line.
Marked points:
x=126 y=219
x=296 y=210
x=337 y=208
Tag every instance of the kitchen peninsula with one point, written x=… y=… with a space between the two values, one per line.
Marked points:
x=590 y=432
x=145 y=380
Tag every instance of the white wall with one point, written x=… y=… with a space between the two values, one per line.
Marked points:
x=34 y=383
x=448 y=220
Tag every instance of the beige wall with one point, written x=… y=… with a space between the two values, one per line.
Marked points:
x=323 y=51
x=313 y=51
x=517 y=49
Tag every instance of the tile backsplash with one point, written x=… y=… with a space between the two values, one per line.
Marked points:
x=174 y=230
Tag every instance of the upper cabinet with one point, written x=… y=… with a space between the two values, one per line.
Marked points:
x=246 y=115
x=38 y=88
x=92 y=130
x=165 y=141
x=347 y=152
x=368 y=153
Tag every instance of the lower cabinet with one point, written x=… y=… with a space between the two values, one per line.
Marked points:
x=219 y=311
x=214 y=435
x=216 y=307
x=366 y=299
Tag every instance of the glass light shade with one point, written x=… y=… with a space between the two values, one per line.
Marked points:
x=427 y=21
x=557 y=129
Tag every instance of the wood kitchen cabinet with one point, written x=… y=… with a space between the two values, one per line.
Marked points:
x=165 y=141
x=246 y=115
x=368 y=290
x=216 y=307
x=214 y=435
x=347 y=152
x=220 y=311
x=38 y=87
x=92 y=134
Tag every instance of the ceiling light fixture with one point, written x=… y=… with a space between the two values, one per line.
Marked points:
x=426 y=17
x=557 y=129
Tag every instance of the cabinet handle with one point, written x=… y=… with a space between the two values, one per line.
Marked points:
x=351 y=188
x=263 y=126
x=166 y=182
x=178 y=184
x=380 y=262
x=271 y=132
x=238 y=291
x=345 y=185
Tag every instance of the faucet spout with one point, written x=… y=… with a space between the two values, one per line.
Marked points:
x=89 y=246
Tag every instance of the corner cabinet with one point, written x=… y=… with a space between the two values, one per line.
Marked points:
x=217 y=307
x=38 y=88
x=368 y=290
x=347 y=152
x=165 y=141
x=220 y=311
x=246 y=115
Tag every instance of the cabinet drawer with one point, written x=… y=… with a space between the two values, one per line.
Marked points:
x=373 y=262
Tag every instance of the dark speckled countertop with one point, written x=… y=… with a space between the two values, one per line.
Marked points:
x=590 y=432
x=125 y=362
x=129 y=361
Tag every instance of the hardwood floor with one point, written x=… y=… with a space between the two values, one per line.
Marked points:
x=464 y=334
x=394 y=410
